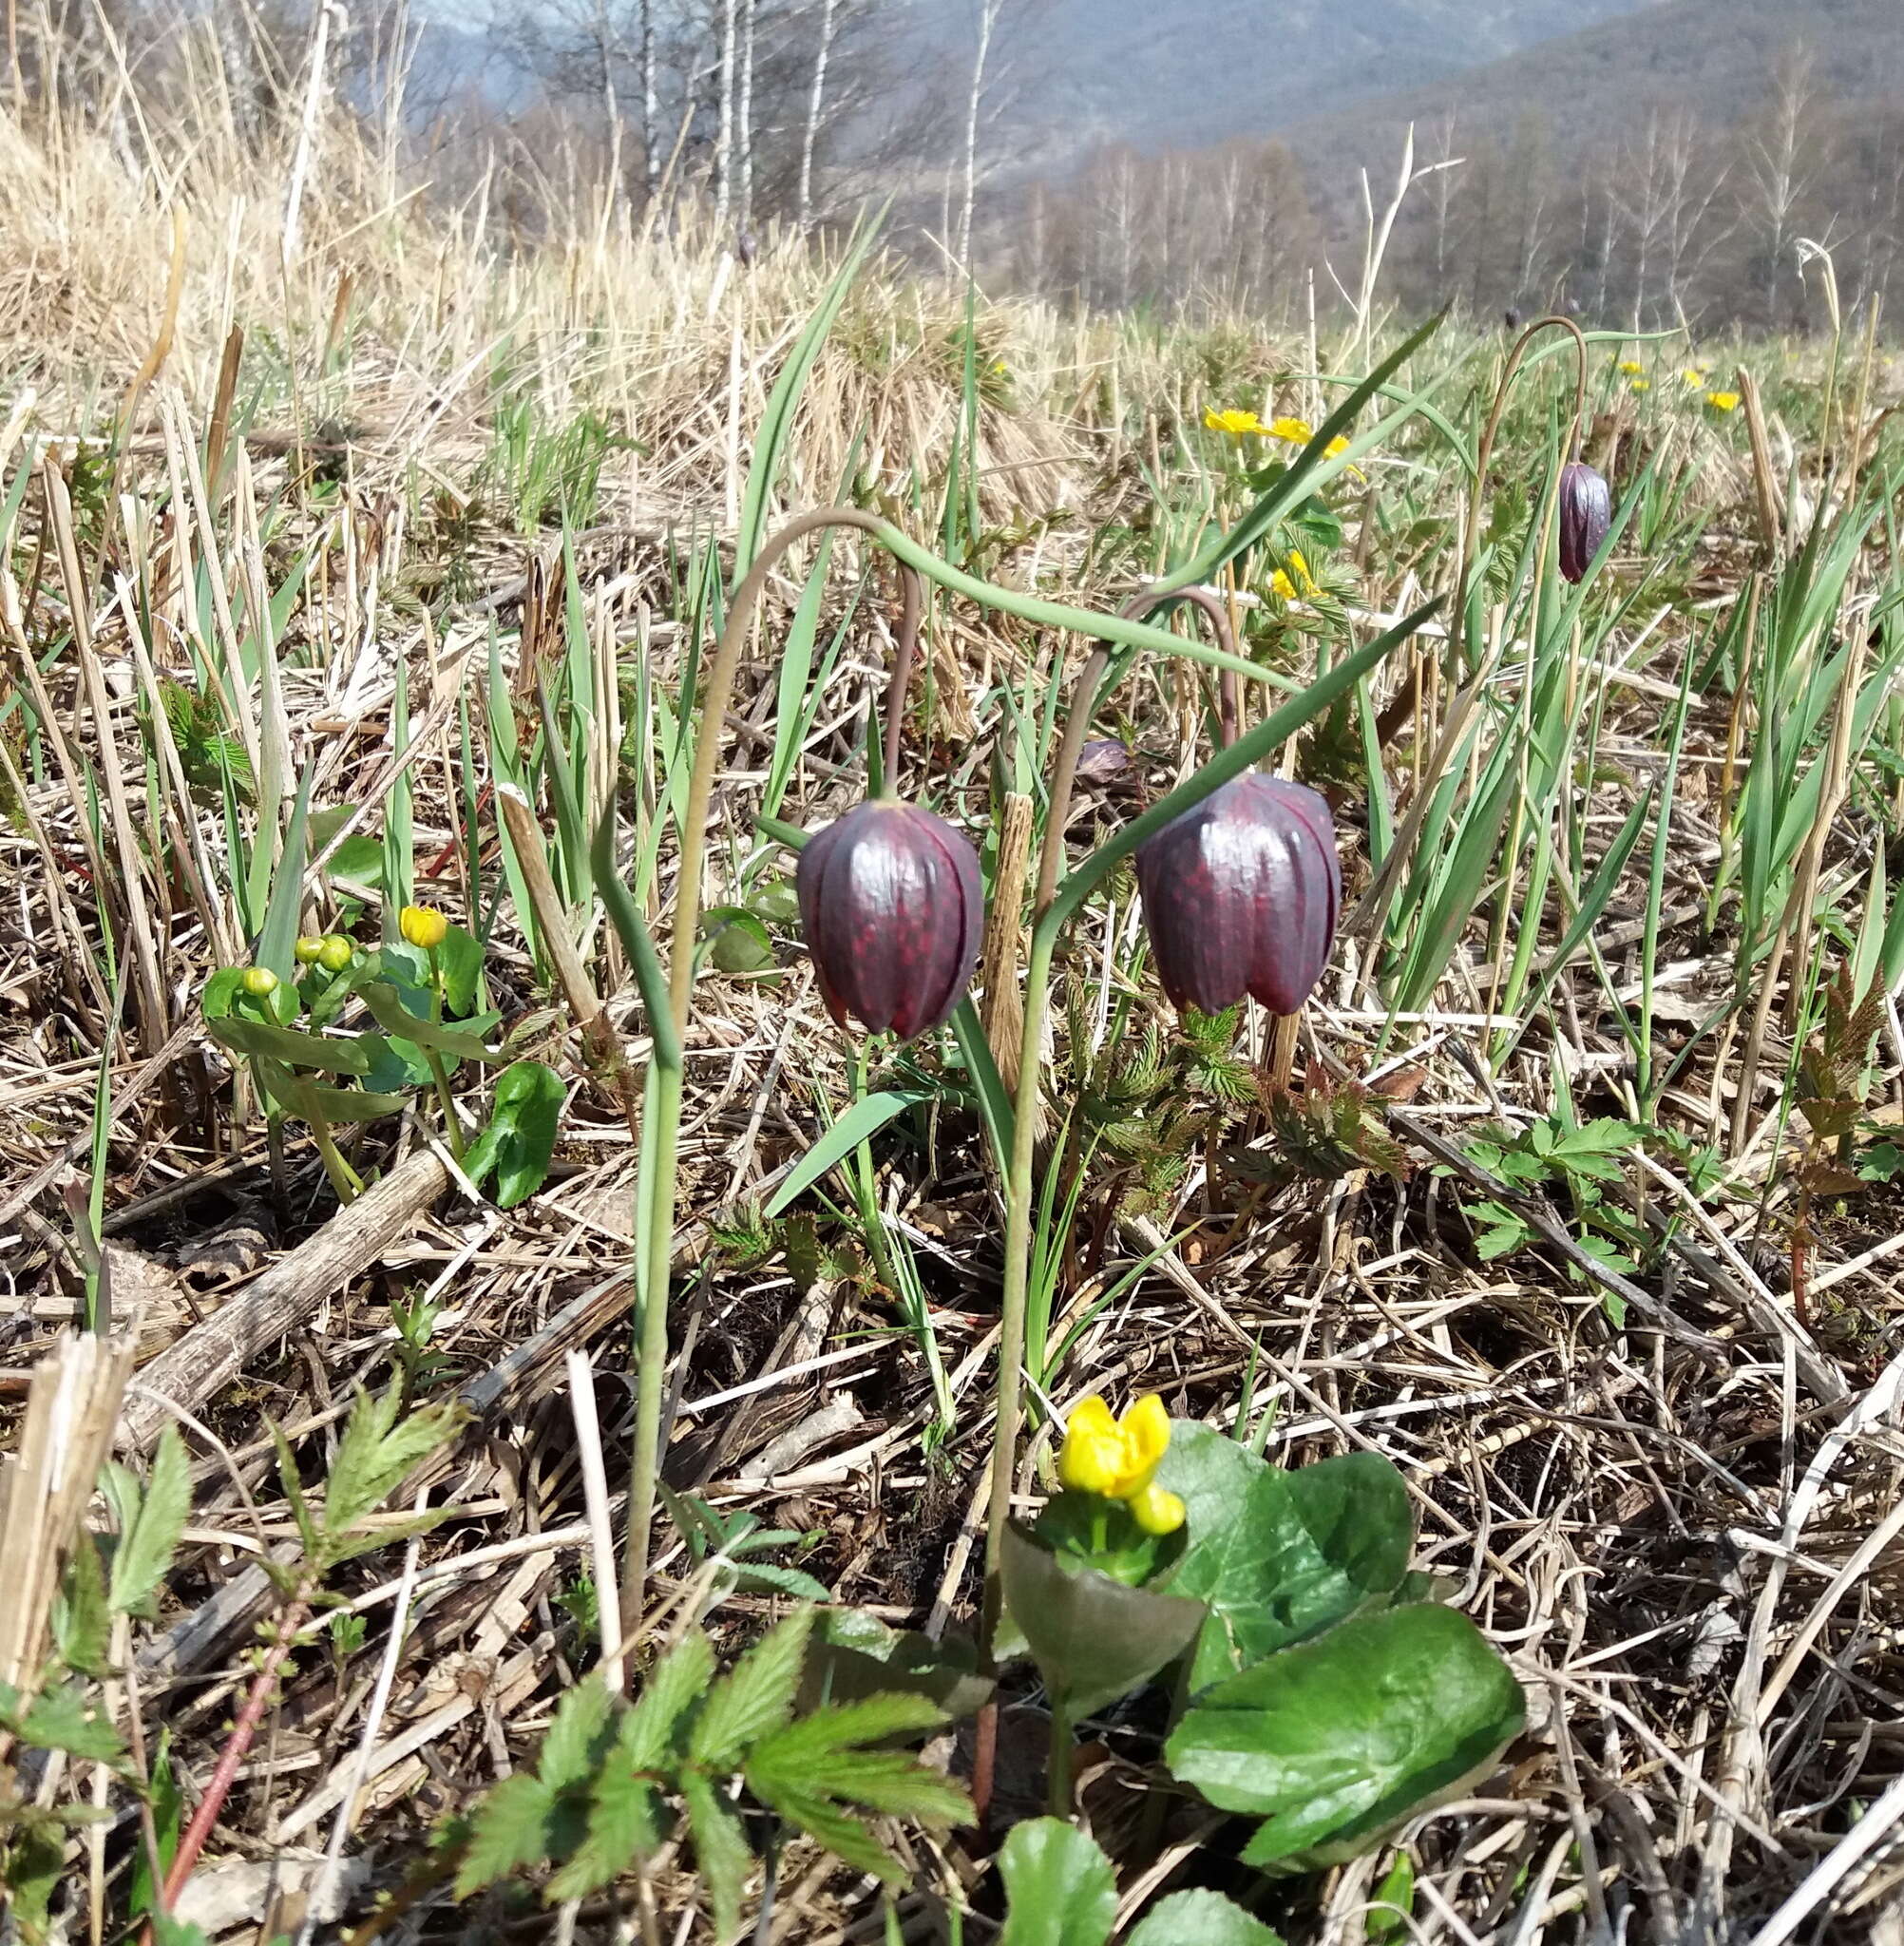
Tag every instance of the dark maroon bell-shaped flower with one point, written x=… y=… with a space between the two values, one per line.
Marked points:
x=1585 y=513
x=894 y=911
x=1241 y=895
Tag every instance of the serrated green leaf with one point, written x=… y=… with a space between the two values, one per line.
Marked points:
x=82 y=1625
x=755 y=1699
x=843 y=1835
x=650 y=1733
x=508 y=1830
x=720 y=1849
x=624 y=1825
x=888 y=1780
x=841 y=1726
x=1201 y=1918
x=169 y=1807
x=1059 y=1888
x=579 y=1736
x=144 y=1553
x=377 y=1451
x=34 y=1860
x=62 y=1719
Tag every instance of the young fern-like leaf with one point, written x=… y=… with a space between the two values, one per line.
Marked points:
x=375 y=1453
x=755 y=1700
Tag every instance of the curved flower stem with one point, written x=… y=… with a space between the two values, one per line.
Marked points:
x=718 y=686
x=1018 y=1185
x=1084 y=703
x=1373 y=902
x=715 y=692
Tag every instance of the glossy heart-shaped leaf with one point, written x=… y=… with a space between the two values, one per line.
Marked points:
x=1281 y=1555
x=1337 y=1742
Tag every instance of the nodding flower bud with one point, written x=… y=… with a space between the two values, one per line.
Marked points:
x=308 y=948
x=1241 y=895
x=1585 y=513
x=893 y=907
x=259 y=982
x=423 y=926
x=334 y=952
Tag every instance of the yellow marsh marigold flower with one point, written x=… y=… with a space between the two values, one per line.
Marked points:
x=1339 y=444
x=1631 y=367
x=1116 y=1457
x=1295 y=432
x=1723 y=401
x=424 y=926
x=1293 y=585
x=1643 y=384
x=1692 y=376
x=1232 y=421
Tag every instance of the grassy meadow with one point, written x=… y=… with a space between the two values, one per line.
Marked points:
x=364 y=547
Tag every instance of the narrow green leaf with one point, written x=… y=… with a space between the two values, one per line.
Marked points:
x=866 y=1117
x=290 y=1045
x=650 y=1733
x=720 y=1849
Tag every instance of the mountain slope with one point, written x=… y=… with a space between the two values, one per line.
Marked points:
x=1713 y=56
x=1165 y=73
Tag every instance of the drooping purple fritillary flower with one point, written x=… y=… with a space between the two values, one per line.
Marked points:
x=1241 y=895
x=893 y=907
x=1585 y=513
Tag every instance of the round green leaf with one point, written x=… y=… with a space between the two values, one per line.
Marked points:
x=1060 y=1886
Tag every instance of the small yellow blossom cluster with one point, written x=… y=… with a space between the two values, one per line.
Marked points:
x=1723 y=401
x=1117 y=1459
x=1291 y=432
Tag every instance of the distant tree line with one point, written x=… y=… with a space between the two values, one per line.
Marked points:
x=1671 y=221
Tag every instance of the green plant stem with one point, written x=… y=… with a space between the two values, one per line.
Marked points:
x=1062 y=1736
x=654 y=1212
x=344 y=1179
x=1019 y=1193
x=441 y=1074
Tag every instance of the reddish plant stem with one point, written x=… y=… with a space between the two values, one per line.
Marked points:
x=258 y=1699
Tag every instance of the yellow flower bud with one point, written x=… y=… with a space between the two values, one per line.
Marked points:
x=424 y=926
x=307 y=949
x=1157 y=1512
x=334 y=952
x=259 y=981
